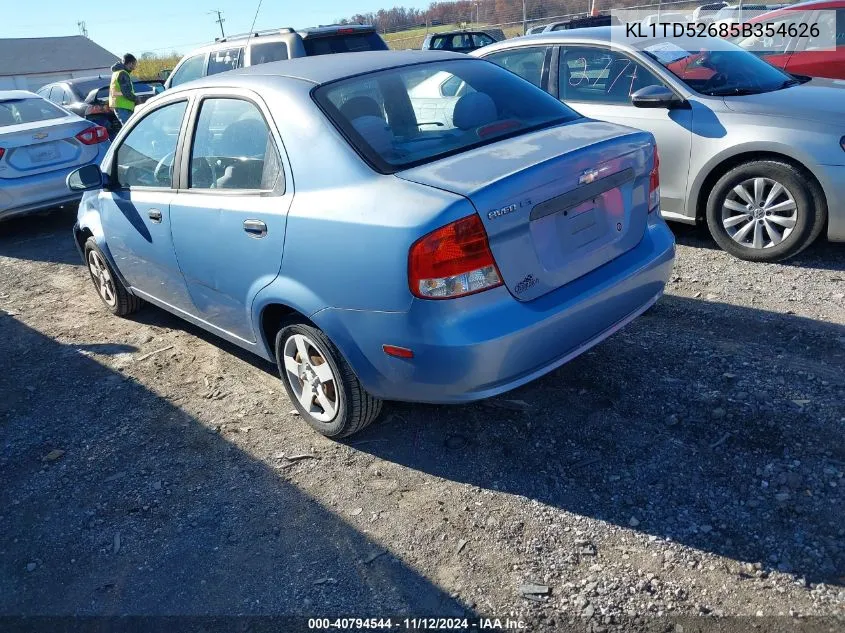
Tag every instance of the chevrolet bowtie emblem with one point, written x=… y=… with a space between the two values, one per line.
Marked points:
x=590 y=175
x=39 y=136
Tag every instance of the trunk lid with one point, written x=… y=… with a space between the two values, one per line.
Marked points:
x=43 y=146
x=556 y=204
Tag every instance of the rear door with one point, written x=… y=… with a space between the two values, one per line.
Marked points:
x=229 y=217
x=135 y=210
x=598 y=82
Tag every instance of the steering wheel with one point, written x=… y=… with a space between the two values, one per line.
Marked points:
x=719 y=79
x=159 y=170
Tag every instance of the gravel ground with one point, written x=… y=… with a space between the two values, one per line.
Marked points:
x=692 y=464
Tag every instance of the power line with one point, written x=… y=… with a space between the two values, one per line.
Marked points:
x=220 y=20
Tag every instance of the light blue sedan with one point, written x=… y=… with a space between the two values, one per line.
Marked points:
x=377 y=245
x=40 y=144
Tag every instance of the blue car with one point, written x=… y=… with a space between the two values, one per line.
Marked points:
x=375 y=244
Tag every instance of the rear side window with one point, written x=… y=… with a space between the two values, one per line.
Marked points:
x=145 y=157
x=228 y=59
x=393 y=120
x=17 y=111
x=233 y=148
x=526 y=62
x=192 y=68
x=482 y=39
x=268 y=52
x=344 y=43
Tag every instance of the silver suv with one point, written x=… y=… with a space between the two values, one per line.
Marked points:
x=249 y=49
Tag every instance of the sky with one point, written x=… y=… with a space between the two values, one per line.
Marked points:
x=161 y=26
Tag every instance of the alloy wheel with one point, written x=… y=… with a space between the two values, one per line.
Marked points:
x=102 y=278
x=759 y=213
x=311 y=378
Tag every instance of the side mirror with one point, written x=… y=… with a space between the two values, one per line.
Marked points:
x=85 y=178
x=655 y=97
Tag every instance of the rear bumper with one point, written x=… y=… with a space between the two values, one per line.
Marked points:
x=485 y=344
x=41 y=191
x=832 y=179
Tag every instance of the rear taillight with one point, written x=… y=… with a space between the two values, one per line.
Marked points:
x=453 y=261
x=2 y=151
x=97 y=108
x=93 y=135
x=654 y=185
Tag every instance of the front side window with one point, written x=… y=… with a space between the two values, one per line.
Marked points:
x=268 y=52
x=393 y=129
x=17 y=111
x=526 y=62
x=600 y=75
x=233 y=148
x=145 y=157
x=192 y=68
x=221 y=61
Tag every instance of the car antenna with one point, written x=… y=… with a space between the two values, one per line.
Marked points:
x=252 y=28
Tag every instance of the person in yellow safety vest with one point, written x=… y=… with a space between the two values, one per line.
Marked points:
x=122 y=97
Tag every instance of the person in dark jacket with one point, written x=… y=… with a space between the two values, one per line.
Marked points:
x=122 y=99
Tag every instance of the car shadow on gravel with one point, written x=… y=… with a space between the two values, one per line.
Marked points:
x=822 y=254
x=718 y=427
x=113 y=501
x=46 y=237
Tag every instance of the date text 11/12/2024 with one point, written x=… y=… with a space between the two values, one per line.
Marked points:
x=417 y=624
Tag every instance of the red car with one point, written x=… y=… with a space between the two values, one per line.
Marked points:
x=800 y=56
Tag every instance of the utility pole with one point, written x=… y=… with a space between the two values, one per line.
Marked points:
x=524 y=19
x=220 y=20
x=83 y=30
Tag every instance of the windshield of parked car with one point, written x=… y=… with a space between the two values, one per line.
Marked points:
x=718 y=68
x=395 y=119
x=17 y=111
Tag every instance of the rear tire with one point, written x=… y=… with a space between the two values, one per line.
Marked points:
x=323 y=388
x=112 y=293
x=764 y=211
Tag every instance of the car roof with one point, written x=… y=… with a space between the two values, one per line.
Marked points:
x=17 y=94
x=602 y=33
x=320 y=69
x=460 y=32
x=811 y=4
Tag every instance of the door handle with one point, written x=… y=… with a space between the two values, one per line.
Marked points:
x=155 y=215
x=255 y=228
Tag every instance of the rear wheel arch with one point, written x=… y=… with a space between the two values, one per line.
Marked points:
x=275 y=316
x=723 y=167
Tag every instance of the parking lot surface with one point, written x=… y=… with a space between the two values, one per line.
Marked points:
x=694 y=463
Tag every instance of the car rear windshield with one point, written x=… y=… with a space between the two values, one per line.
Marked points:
x=402 y=117
x=343 y=43
x=17 y=111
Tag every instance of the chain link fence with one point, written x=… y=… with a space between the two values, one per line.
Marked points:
x=513 y=17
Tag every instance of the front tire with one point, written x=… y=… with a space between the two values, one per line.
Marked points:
x=321 y=384
x=763 y=211
x=112 y=293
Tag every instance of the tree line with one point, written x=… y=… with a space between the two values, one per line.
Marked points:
x=469 y=11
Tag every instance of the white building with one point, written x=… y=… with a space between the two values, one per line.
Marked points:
x=29 y=63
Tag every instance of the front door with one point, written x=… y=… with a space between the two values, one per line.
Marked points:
x=229 y=219
x=598 y=82
x=135 y=211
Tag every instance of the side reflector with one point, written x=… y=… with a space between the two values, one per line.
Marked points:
x=398 y=352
